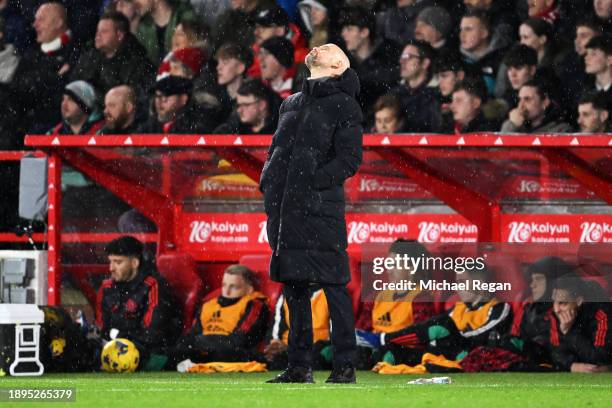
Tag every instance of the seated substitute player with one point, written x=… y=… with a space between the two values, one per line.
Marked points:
x=527 y=346
x=394 y=310
x=135 y=303
x=275 y=351
x=580 y=336
x=531 y=324
x=229 y=327
x=468 y=324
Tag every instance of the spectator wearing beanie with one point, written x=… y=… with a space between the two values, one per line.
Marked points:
x=184 y=62
x=274 y=22
x=237 y=24
x=317 y=16
x=398 y=23
x=175 y=111
x=434 y=26
x=80 y=113
x=188 y=35
x=374 y=59
x=276 y=59
x=504 y=20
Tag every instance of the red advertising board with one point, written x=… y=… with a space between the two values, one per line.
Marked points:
x=246 y=233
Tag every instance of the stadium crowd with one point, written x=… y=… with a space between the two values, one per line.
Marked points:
x=114 y=67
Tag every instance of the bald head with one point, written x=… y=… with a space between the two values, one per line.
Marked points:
x=124 y=93
x=50 y=22
x=119 y=107
x=327 y=60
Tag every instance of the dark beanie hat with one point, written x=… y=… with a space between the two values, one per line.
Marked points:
x=272 y=17
x=174 y=85
x=438 y=18
x=83 y=94
x=281 y=48
x=125 y=246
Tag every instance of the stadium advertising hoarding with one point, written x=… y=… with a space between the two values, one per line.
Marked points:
x=246 y=232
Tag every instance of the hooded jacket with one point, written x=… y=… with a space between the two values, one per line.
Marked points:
x=316 y=147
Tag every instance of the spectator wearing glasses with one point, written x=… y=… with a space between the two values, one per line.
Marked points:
x=256 y=110
x=420 y=102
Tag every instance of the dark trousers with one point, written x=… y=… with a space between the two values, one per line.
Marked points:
x=300 y=328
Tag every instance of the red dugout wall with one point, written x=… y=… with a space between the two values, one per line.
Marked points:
x=201 y=191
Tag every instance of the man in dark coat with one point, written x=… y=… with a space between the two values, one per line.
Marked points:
x=375 y=61
x=44 y=71
x=117 y=59
x=316 y=147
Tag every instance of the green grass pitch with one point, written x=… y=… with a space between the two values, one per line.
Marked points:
x=170 y=390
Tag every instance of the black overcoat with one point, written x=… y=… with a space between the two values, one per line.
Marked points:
x=316 y=147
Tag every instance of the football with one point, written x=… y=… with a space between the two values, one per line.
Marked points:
x=120 y=356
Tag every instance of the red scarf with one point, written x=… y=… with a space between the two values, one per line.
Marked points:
x=550 y=15
x=60 y=42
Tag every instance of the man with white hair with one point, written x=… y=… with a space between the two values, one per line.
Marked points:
x=316 y=147
x=44 y=70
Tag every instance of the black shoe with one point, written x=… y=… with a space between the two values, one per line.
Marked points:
x=294 y=375
x=344 y=375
